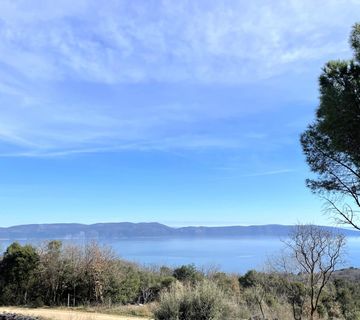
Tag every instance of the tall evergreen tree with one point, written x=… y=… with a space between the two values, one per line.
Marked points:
x=332 y=143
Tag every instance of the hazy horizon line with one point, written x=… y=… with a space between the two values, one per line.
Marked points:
x=175 y=225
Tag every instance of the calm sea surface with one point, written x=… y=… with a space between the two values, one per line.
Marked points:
x=228 y=254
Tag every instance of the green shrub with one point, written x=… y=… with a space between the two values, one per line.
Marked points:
x=204 y=301
x=187 y=273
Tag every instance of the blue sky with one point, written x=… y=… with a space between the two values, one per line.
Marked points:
x=182 y=112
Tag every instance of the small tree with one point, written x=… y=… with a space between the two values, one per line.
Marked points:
x=296 y=294
x=258 y=289
x=17 y=272
x=73 y=257
x=316 y=253
x=187 y=273
x=52 y=271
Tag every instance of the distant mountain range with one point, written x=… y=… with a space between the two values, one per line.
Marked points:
x=143 y=230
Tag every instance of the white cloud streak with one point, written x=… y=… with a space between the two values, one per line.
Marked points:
x=269 y=173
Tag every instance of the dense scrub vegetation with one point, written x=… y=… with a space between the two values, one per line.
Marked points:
x=58 y=275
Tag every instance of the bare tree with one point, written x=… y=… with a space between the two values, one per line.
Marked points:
x=98 y=261
x=316 y=252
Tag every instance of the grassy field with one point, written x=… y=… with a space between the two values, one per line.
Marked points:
x=66 y=314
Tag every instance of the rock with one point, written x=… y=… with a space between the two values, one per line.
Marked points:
x=13 y=316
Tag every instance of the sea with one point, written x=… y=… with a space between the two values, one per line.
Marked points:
x=234 y=255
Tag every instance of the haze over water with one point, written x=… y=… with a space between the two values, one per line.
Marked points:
x=227 y=254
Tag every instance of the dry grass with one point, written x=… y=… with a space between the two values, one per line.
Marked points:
x=145 y=311
x=65 y=314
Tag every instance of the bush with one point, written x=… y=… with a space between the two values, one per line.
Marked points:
x=204 y=301
x=187 y=273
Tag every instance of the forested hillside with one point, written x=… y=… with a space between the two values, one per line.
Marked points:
x=144 y=230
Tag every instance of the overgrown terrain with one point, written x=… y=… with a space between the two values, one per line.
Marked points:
x=93 y=277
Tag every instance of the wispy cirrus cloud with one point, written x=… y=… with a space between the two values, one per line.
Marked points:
x=269 y=173
x=53 y=57
x=122 y=41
